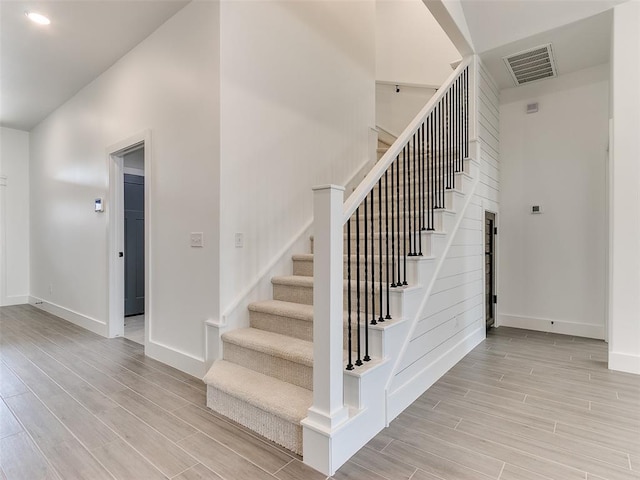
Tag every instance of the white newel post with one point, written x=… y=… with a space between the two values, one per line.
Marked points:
x=328 y=410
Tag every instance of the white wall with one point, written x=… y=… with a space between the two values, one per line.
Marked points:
x=624 y=333
x=552 y=266
x=14 y=216
x=410 y=45
x=169 y=84
x=297 y=105
x=395 y=110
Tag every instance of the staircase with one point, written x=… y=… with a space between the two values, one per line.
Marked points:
x=265 y=377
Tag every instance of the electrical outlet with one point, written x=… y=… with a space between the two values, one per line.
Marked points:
x=197 y=239
x=239 y=240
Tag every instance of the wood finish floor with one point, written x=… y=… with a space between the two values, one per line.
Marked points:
x=523 y=405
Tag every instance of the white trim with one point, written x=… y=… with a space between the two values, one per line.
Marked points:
x=15 y=300
x=177 y=359
x=92 y=324
x=623 y=362
x=563 y=327
x=3 y=242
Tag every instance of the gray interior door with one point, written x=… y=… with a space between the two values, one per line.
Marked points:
x=489 y=266
x=133 y=245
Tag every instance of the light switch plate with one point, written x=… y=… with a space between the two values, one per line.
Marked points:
x=239 y=240
x=197 y=239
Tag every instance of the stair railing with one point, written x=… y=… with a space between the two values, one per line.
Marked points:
x=386 y=214
x=380 y=225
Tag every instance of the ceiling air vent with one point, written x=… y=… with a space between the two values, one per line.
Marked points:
x=530 y=65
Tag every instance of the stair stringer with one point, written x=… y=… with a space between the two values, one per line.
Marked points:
x=366 y=391
x=400 y=396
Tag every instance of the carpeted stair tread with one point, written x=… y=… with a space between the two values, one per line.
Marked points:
x=279 y=308
x=274 y=396
x=303 y=257
x=275 y=344
x=293 y=281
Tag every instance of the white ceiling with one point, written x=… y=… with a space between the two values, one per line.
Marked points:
x=494 y=23
x=43 y=66
x=579 y=31
x=579 y=45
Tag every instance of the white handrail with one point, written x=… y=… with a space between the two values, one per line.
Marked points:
x=362 y=190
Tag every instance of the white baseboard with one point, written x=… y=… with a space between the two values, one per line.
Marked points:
x=405 y=395
x=15 y=300
x=91 y=324
x=559 y=326
x=623 y=362
x=173 y=357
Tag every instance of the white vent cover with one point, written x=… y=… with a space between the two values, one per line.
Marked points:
x=530 y=65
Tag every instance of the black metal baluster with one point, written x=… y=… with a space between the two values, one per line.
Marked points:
x=366 y=280
x=416 y=192
x=428 y=151
x=445 y=135
x=373 y=265
x=441 y=173
x=393 y=237
x=466 y=112
x=437 y=157
x=358 y=360
x=432 y=161
x=407 y=190
x=449 y=143
x=349 y=345
x=404 y=216
x=459 y=122
x=386 y=211
x=380 y=318
x=398 y=204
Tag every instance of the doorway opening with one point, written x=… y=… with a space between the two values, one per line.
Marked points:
x=129 y=313
x=134 y=291
x=490 y=268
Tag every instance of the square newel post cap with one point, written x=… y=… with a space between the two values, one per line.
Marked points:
x=328 y=186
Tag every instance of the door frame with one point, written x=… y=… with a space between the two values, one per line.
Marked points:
x=115 y=208
x=3 y=241
x=495 y=266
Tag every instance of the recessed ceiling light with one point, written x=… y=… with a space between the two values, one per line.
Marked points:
x=37 y=18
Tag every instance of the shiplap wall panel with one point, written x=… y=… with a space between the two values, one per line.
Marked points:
x=455 y=308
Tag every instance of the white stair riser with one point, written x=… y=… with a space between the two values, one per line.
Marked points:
x=280 y=368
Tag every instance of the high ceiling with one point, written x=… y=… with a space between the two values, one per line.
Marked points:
x=579 y=31
x=43 y=66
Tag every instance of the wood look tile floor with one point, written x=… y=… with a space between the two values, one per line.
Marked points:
x=522 y=405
